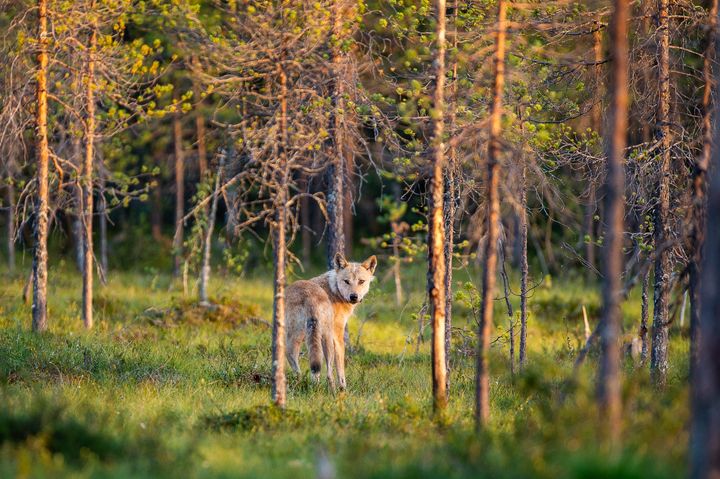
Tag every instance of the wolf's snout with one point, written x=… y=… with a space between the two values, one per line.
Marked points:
x=353 y=298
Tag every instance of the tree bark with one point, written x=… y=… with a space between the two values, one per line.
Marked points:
x=200 y=129
x=609 y=381
x=77 y=220
x=449 y=206
x=659 y=353
x=644 y=315
x=87 y=181
x=482 y=374
x=156 y=212
x=179 y=193
x=103 y=221
x=704 y=366
x=596 y=120
x=280 y=253
x=10 y=226
x=40 y=253
x=207 y=244
x=436 y=231
x=524 y=270
x=336 y=168
x=699 y=185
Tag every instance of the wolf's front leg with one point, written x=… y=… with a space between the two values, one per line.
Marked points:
x=340 y=357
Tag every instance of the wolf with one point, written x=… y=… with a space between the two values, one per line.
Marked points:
x=318 y=309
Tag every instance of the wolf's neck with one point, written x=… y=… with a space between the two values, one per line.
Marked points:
x=328 y=281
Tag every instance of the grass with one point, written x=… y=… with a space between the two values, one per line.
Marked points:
x=161 y=388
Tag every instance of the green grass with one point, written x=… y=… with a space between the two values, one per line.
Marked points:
x=161 y=388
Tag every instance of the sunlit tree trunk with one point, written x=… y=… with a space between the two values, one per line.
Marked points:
x=609 y=381
x=280 y=253
x=659 y=353
x=87 y=182
x=482 y=374
x=200 y=129
x=40 y=254
x=336 y=168
x=179 y=192
x=76 y=217
x=436 y=231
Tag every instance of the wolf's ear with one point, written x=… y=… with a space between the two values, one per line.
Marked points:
x=370 y=264
x=340 y=261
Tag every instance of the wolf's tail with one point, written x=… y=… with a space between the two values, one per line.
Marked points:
x=316 y=354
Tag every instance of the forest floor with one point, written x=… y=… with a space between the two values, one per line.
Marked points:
x=162 y=388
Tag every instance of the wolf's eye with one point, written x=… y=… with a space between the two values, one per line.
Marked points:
x=361 y=281
x=347 y=282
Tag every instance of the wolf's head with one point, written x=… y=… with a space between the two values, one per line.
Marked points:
x=353 y=279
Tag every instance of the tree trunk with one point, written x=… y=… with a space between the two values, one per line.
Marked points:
x=102 y=220
x=305 y=225
x=336 y=168
x=200 y=129
x=449 y=207
x=40 y=253
x=659 y=353
x=700 y=185
x=179 y=193
x=77 y=219
x=705 y=427
x=10 y=227
x=207 y=244
x=87 y=182
x=156 y=211
x=524 y=270
x=644 y=315
x=436 y=231
x=596 y=119
x=279 y=255
x=609 y=381
x=482 y=374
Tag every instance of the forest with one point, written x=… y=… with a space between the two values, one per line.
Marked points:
x=516 y=204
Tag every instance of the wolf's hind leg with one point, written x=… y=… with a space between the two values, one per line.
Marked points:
x=293 y=353
x=329 y=352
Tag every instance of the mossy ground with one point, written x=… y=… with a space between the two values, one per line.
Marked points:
x=161 y=388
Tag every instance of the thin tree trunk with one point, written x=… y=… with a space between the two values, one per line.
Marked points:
x=305 y=226
x=102 y=220
x=336 y=168
x=659 y=353
x=10 y=227
x=40 y=253
x=524 y=270
x=596 y=119
x=700 y=185
x=156 y=212
x=207 y=244
x=482 y=374
x=87 y=182
x=644 y=315
x=179 y=193
x=200 y=129
x=348 y=209
x=77 y=219
x=279 y=255
x=436 y=231
x=609 y=381
x=449 y=206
